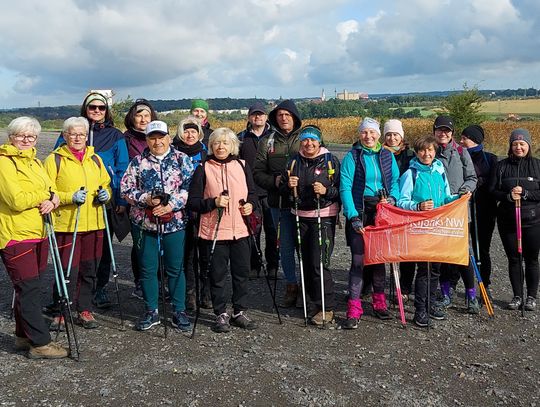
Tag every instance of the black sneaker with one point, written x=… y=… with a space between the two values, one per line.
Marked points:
x=241 y=320
x=473 y=306
x=350 y=323
x=514 y=304
x=530 y=303
x=222 y=323
x=437 y=313
x=382 y=314
x=101 y=299
x=421 y=319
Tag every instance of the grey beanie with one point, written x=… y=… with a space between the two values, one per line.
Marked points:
x=520 y=134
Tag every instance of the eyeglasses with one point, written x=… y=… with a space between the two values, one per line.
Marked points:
x=24 y=137
x=443 y=130
x=74 y=136
x=101 y=108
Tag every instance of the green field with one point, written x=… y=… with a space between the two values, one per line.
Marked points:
x=529 y=107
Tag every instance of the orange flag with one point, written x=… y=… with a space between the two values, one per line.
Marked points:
x=440 y=235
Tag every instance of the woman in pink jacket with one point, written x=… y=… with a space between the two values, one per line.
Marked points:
x=223 y=192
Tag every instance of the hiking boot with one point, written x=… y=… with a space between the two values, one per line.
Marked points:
x=50 y=351
x=437 y=313
x=58 y=324
x=22 y=344
x=191 y=301
x=473 y=307
x=101 y=299
x=530 y=303
x=350 y=323
x=383 y=314
x=87 y=320
x=137 y=292
x=241 y=320
x=222 y=323
x=181 y=321
x=421 y=319
x=317 y=319
x=289 y=299
x=148 y=320
x=515 y=303
x=206 y=301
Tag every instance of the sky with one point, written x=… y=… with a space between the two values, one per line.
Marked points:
x=52 y=52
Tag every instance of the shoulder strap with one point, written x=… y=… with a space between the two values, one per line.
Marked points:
x=58 y=160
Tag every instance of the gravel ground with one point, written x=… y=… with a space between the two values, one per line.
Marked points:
x=464 y=361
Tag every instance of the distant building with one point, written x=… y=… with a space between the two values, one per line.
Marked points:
x=346 y=95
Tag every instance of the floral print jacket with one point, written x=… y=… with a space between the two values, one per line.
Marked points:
x=146 y=174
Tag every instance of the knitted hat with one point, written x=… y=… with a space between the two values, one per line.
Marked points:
x=312 y=132
x=520 y=134
x=474 y=133
x=394 y=126
x=95 y=96
x=443 y=121
x=199 y=104
x=369 y=123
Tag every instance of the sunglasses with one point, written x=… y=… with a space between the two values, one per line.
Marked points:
x=101 y=108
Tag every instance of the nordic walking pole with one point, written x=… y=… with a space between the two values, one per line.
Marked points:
x=485 y=297
x=395 y=270
x=299 y=241
x=321 y=266
x=12 y=313
x=259 y=253
x=428 y=299
x=520 y=253
x=210 y=258
x=161 y=271
x=65 y=304
x=77 y=216
x=113 y=262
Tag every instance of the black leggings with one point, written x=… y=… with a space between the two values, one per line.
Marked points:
x=531 y=248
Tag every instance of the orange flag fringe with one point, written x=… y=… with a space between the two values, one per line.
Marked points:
x=440 y=235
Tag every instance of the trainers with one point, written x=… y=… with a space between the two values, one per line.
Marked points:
x=58 y=324
x=181 y=321
x=446 y=301
x=515 y=303
x=437 y=313
x=87 y=320
x=383 y=314
x=421 y=319
x=350 y=323
x=148 y=320
x=22 y=344
x=50 y=351
x=241 y=320
x=101 y=299
x=137 y=292
x=289 y=299
x=222 y=323
x=530 y=303
x=317 y=319
x=473 y=307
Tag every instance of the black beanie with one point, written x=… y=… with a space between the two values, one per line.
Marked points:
x=474 y=133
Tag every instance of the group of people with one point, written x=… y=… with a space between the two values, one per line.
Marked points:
x=196 y=203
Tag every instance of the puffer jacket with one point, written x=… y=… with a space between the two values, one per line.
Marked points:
x=69 y=175
x=209 y=181
x=506 y=175
x=309 y=171
x=423 y=182
x=109 y=143
x=274 y=152
x=146 y=174
x=24 y=184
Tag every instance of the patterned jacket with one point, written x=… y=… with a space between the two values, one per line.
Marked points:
x=146 y=174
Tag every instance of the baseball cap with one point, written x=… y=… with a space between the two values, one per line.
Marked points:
x=443 y=121
x=257 y=107
x=156 y=126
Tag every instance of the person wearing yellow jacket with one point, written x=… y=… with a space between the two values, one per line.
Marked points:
x=26 y=193
x=81 y=181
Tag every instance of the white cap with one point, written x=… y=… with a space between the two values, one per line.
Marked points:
x=157 y=126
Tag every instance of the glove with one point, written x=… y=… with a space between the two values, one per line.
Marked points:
x=79 y=197
x=462 y=191
x=103 y=196
x=357 y=224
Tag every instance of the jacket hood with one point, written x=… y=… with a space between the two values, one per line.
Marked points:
x=10 y=150
x=289 y=106
x=436 y=166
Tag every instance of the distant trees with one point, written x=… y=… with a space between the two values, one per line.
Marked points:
x=465 y=107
